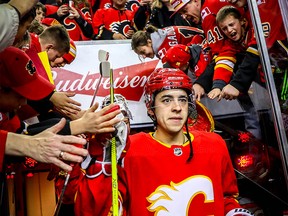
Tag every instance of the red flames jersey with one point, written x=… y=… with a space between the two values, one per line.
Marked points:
x=223 y=49
x=167 y=37
x=113 y=20
x=71 y=25
x=155 y=177
x=272 y=23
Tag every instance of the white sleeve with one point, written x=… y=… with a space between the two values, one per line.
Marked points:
x=8 y=26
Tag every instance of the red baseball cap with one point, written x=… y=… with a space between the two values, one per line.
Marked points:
x=178 y=4
x=69 y=57
x=18 y=72
x=177 y=56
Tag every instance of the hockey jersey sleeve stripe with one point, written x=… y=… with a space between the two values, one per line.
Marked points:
x=219 y=58
x=253 y=51
x=225 y=64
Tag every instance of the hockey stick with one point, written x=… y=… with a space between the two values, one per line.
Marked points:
x=59 y=203
x=106 y=69
x=102 y=57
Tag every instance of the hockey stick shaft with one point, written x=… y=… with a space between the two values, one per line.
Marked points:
x=113 y=157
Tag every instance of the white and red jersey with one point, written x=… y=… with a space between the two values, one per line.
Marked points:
x=156 y=177
x=167 y=37
x=113 y=20
x=224 y=49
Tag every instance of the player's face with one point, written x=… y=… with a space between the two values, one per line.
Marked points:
x=59 y=62
x=238 y=3
x=232 y=28
x=171 y=110
x=10 y=100
x=145 y=51
x=191 y=11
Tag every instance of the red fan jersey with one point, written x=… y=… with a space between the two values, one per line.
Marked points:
x=167 y=37
x=156 y=179
x=71 y=25
x=272 y=23
x=223 y=49
x=113 y=20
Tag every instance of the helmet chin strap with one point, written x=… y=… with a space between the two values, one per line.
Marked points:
x=190 y=142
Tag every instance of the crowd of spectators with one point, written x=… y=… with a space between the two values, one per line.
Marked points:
x=213 y=43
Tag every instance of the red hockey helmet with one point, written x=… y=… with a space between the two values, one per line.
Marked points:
x=69 y=57
x=177 y=56
x=164 y=79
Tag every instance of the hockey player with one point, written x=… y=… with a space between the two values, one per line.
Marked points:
x=97 y=166
x=171 y=172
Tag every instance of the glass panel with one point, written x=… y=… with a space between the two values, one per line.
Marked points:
x=255 y=126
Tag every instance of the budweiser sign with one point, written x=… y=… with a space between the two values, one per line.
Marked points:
x=128 y=81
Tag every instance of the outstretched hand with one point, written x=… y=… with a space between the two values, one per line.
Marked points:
x=198 y=91
x=229 y=92
x=214 y=93
x=64 y=104
x=96 y=121
x=47 y=147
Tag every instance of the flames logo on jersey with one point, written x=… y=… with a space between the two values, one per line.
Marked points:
x=69 y=24
x=175 y=199
x=132 y=5
x=121 y=27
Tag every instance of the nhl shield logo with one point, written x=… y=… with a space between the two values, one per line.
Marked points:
x=178 y=151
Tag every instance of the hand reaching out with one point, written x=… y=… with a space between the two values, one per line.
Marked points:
x=96 y=122
x=229 y=92
x=64 y=104
x=214 y=93
x=47 y=147
x=198 y=91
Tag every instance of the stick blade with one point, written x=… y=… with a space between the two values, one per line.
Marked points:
x=103 y=55
x=105 y=69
